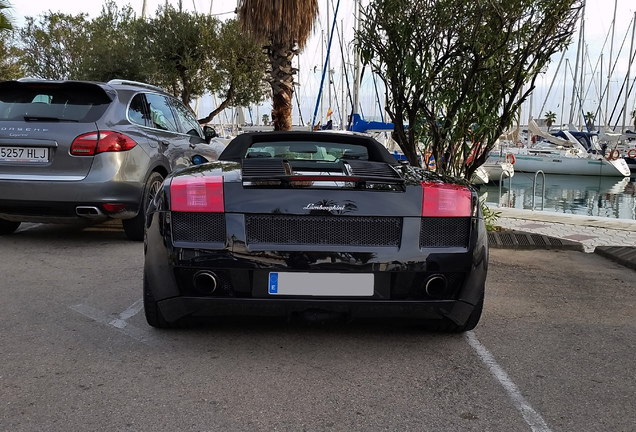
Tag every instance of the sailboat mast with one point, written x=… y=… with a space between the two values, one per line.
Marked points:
x=565 y=78
x=629 y=68
x=609 y=70
x=322 y=80
x=356 y=72
x=576 y=67
x=329 y=63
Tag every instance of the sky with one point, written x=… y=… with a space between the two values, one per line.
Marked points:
x=599 y=15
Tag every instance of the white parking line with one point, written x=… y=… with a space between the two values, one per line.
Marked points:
x=119 y=323
x=532 y=417
x=28 y=226
x=133 y=310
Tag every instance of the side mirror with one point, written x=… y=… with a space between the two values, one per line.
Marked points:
x=209 y=132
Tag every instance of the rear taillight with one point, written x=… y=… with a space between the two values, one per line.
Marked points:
x=445 y=200
x=92 y=143
x=197 y=194
x=114 y=207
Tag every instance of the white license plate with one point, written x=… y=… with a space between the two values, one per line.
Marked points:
x=321 y=284
x=24 y=154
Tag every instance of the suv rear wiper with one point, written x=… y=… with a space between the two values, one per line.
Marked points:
x=49 y=119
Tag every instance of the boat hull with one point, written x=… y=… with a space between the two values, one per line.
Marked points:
x=556 y=164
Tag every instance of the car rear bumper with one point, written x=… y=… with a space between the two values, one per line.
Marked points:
x=242 y=285
x=175 y=308
x=56 y=199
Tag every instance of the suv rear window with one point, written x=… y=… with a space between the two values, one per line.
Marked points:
x=41 y=101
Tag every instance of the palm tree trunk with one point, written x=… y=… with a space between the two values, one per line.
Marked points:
x=282 y=82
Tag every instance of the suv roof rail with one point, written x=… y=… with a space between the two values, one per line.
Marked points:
x=136 y=83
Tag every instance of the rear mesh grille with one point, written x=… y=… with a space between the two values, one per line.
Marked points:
x=323 y=230
x=444 y=232
x=198 y=227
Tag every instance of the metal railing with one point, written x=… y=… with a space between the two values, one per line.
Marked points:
x=534 y=188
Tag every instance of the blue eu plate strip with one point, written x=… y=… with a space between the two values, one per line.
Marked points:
x=273 y=283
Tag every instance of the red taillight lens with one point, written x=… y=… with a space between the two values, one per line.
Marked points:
x=445 y=200
x=114 y=207
x=92 y=143
x=197 y=194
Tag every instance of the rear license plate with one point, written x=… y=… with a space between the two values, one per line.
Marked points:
x=24 y=154
x=321 y=284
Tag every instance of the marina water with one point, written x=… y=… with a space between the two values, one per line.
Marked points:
x=611 y=197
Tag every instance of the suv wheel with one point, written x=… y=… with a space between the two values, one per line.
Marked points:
x=134 y=228
x=7 y=227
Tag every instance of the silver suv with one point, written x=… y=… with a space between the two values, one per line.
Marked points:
x=77 y=151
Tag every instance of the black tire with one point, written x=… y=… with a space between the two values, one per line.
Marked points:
x=448 y=326
x=7 y=227
x=154 y=317
x=474 y=317
x=134 y=228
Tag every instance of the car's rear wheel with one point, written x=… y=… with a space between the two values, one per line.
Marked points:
x=7 y=227
x=474 y=317
x=154 y=317
x=134 y=228
x=448 y=326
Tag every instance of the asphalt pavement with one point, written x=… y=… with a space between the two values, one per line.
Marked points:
x=552 y=352
x=614 y=239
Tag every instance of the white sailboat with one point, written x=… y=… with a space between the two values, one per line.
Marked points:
x=566 y=156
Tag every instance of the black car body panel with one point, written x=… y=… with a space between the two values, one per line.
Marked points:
x=274 y=224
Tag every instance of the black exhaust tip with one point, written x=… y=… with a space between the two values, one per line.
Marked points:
x=435 y=286
x=205 y=282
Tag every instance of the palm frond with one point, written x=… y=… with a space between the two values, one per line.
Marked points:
x=284 y=22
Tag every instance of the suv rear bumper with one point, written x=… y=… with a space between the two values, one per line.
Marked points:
x=48 y=200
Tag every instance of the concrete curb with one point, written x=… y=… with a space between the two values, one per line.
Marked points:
x=510 y=239
x=624 y=255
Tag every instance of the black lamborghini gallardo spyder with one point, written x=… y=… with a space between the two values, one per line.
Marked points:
x=314 y=224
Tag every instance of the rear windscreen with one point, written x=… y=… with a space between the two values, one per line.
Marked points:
x=38 y=101
x=307 y=150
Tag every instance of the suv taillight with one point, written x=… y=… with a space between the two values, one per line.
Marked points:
x=92 y=143
x=197 y=194
x=445 y=200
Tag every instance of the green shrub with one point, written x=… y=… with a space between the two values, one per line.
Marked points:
x=490 y=216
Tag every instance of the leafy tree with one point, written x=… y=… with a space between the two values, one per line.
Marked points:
x=239 y=66
x=456 y=72
x=10 y=59
x=182 y=44
x=54 y=45
x=117 y=47
x=5 y=22
x=265 y=119
x=284 y=27
x=550 y=118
